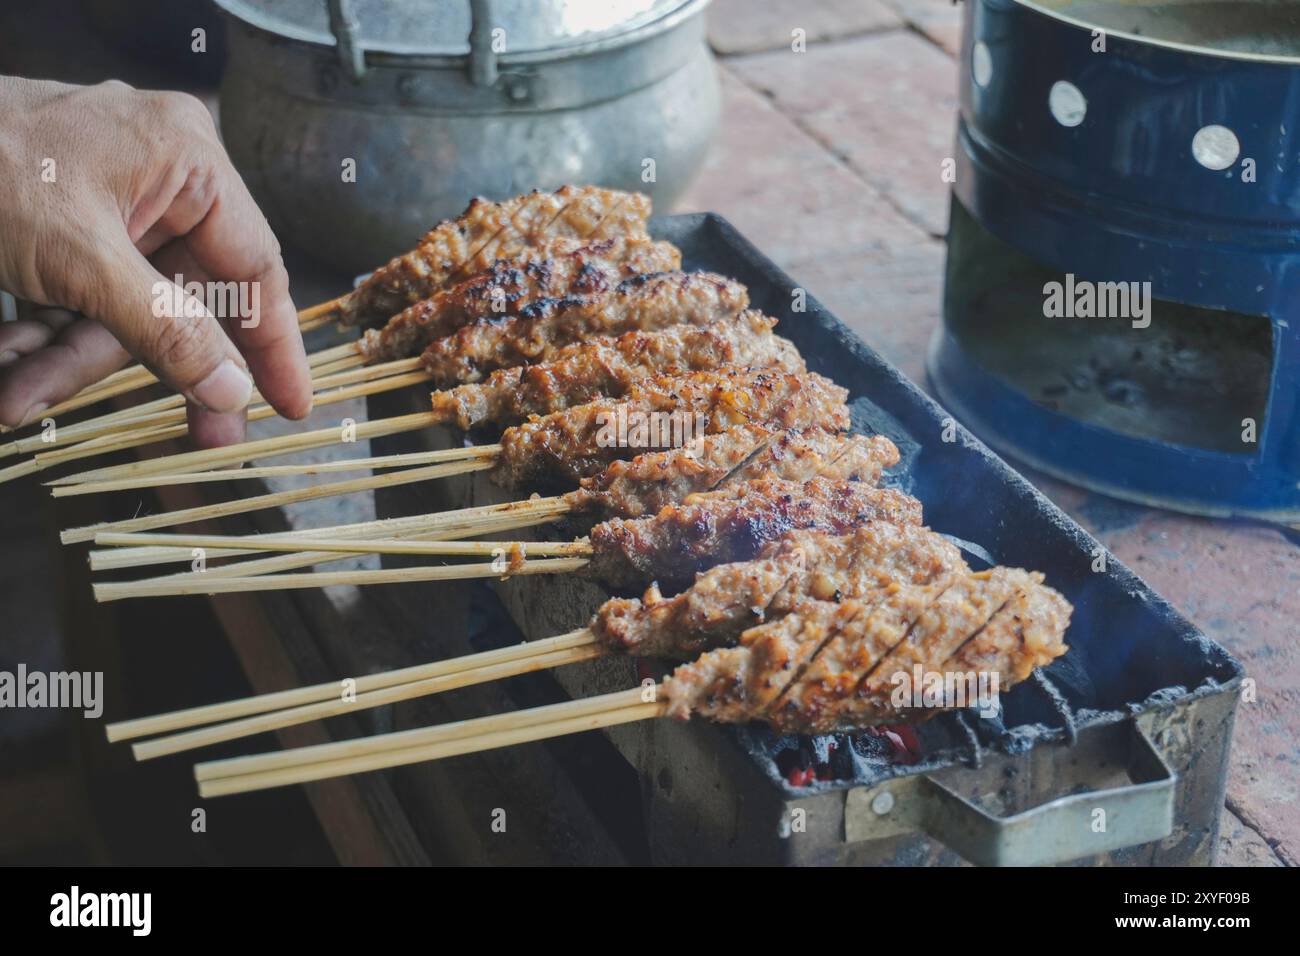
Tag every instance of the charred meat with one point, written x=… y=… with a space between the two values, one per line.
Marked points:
x=734 y=524
x=645 y=302
x=555 y=267
x=868 y=564
x=608 y=366
x=828 y=667
x=664 y=411
x=487 y=231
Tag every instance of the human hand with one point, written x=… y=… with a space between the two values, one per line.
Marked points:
x=106 y=192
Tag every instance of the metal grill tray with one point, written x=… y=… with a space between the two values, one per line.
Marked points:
x=1130 y=652
x=1129 y=649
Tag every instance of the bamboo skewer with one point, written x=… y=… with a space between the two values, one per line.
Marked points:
x=249 y=450
x=320 y=314
x=228 y=455
x=136 y=376
x=457 y=549
x=383 y=462
x=290 y=717
x=490 y=519
x=239 y=775
x=330 y=690
x=208 y=583
x=458 y=461
x=170 y=409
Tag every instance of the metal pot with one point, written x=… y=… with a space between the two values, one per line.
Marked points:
x=433 y=101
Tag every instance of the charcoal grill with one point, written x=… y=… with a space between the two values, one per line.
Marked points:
x=1105 y=141
x=1135 y=720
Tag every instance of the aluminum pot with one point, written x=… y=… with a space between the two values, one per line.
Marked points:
x=359 y=124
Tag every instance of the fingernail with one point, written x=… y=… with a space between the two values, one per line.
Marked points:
x=33 y=413
x=8 y=357
x=227 y=389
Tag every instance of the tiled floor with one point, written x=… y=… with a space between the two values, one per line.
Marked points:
x=829 y=159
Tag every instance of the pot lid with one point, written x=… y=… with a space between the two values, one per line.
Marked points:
x=442 y=27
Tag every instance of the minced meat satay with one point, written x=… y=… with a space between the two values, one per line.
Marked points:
x=608 y=366
x=553 y=267
x=829 y=667
x=664 y=411
x=633 y=487
x=734 y=524
x=643 y=302
x=868 y=564
x=472 y=241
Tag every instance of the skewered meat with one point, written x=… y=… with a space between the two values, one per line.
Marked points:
x=643 y=485
x=554 y=267
x=487 y=231
x=607 y=366
x=664 y=411
x=643 y=302
x=733 y=524
x=829 y=667
x=868 y=564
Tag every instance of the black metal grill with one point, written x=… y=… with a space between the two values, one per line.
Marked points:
x=1140 y=684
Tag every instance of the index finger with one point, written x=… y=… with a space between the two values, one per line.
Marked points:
x=233 y=243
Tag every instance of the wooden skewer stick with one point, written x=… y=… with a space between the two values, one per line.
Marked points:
x=136 y=376
x=241 y=774
x=459 y=461
x=103 y=445
x=447 y=525
x=320 y=314
x=170 y=409
x=232 y=454
x=331 y=690
x=249 y=450
x=261 y=723
x=207 y=583
x=377 y=462
x=456 y=549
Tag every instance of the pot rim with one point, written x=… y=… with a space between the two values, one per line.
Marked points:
x=379 y=55
x=1276 y=59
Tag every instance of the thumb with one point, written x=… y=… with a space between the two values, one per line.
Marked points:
x=171 y=332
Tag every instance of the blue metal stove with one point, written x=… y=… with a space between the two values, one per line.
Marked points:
x=1122 y=299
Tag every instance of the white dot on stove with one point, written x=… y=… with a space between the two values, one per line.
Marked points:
x=1067 y=103
x=981 y=64
x=1215 y=147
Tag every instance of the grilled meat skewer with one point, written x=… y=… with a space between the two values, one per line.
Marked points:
x=724 y=601
x=554 y=268
x=608 y=366
x=645 y=302
x=733 y=524
x=826 y=667
x=823 y=668
x=664 y=411
x=487 y=231
x=635 y=487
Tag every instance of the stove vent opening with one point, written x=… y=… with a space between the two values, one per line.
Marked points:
x=1108 y=352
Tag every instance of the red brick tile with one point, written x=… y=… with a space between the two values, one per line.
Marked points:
x=886 y=103
x=891 y=297
x=1241 y=585
x=785 y=192
x=1239 y=845
x=743 y=26
x=939 y=20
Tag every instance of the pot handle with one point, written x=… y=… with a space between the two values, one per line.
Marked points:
x=482 y=58
x=1063 y=829
x=345 y=26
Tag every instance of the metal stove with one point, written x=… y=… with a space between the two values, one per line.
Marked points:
x=1125 y=149
x=1135 y=720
